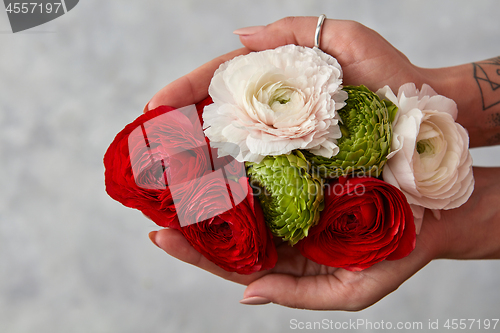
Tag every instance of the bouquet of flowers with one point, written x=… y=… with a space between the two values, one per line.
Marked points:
x=281 y=151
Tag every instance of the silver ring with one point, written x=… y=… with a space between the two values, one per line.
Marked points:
x=319 y=26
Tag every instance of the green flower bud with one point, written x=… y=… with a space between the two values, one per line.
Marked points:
x=291 y=197
x=366 y=136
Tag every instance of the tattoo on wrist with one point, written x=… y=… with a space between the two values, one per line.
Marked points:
x=487 y=75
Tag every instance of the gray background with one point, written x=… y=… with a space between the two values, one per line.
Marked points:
x=74 y=260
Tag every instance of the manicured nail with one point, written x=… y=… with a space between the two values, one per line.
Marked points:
x=255 y=300
x=152 y=236
x=248 y=30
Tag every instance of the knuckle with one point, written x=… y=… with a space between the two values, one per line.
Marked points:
x=289 y=23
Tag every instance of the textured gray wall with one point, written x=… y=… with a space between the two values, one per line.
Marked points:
x=73 y=260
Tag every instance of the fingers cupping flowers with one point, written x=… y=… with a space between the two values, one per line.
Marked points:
x=285 y=113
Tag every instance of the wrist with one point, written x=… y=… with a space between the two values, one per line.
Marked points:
x=464 y=85
x=456 y=83
x=472 y=230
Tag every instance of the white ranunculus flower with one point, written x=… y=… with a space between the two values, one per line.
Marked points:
x=274 y=101
x=430 y=160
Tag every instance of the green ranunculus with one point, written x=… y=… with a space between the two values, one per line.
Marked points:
x=366 y=136
x=291 y=197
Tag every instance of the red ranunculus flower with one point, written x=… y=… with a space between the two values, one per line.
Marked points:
x=163 y=165
x=146 y=189
x=238 y=239
x=365 y=221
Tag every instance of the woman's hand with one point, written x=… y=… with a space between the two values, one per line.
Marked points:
x=366 y=58
x=468 y=232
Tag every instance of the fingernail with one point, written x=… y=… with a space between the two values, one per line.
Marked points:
x=255 y=300
x=152 y=236
x=146 y=108
x=248 y=30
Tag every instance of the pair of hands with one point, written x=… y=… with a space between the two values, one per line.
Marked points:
x=366 y=58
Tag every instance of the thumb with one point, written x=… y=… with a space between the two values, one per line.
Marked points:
x=315 y=292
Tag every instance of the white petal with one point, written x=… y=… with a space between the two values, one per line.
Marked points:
x=274 y=101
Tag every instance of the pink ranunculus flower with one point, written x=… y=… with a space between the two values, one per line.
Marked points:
x=430 y=160
x=274 y=101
